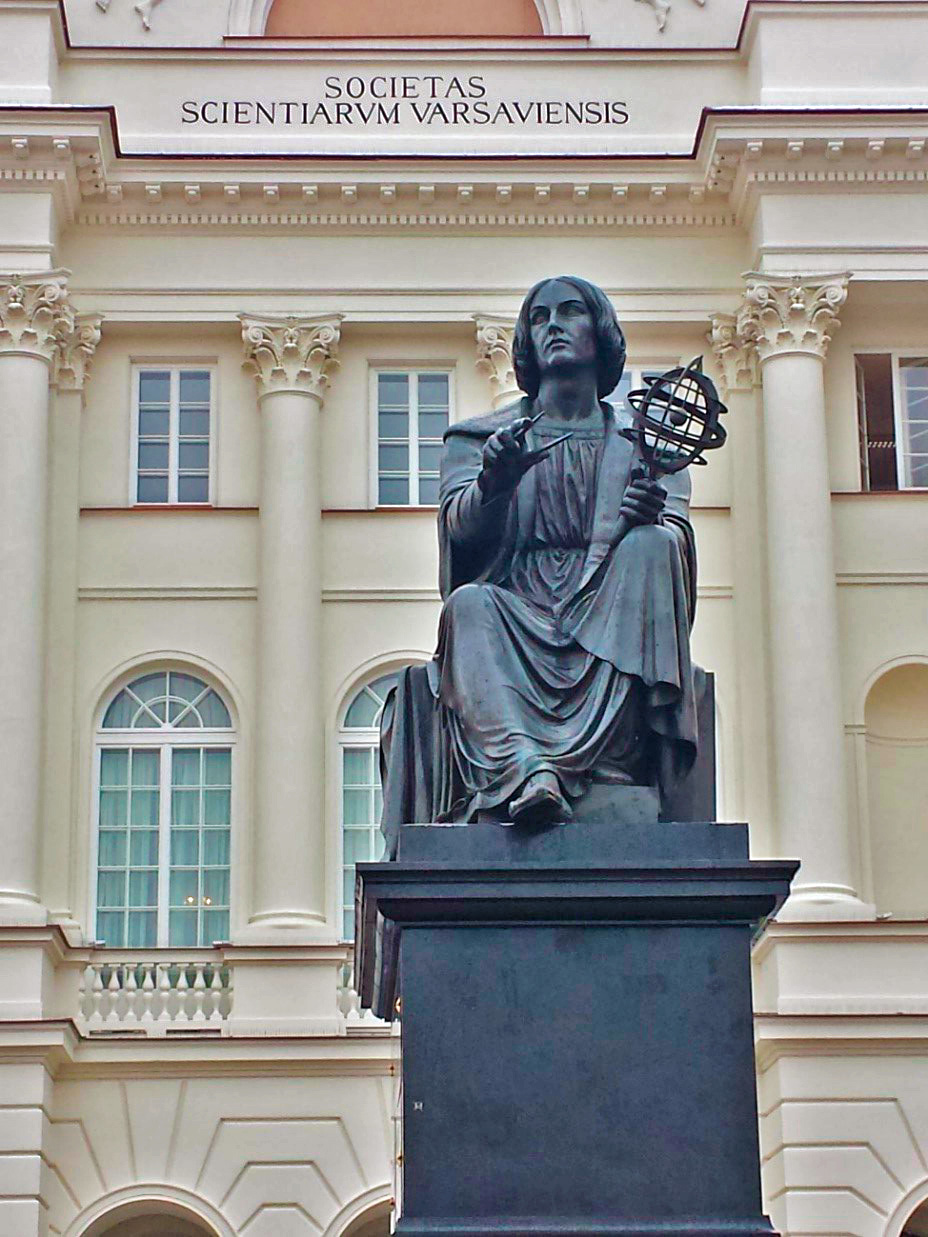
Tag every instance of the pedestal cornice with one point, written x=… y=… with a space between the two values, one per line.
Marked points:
x=35 y=313
x=736 y=355
x=291 y=353
x=75 y=352
x=791 y=313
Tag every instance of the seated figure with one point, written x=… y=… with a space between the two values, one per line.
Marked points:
x=569 y=587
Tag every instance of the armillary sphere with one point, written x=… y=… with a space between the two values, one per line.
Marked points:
x=676 y=419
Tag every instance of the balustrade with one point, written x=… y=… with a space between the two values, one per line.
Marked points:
x=155 y=996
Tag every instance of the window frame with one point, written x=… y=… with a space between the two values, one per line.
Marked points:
x=895 y=356
x=161 y=740
x=375 y=369
x=174 y=366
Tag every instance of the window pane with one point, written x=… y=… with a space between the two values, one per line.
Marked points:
x=357 y=807
x=214 y=712
x=154 y=422
x=348 y=886
x=428 y=491
x=113 y=808
x=144 y=768
x=433 y=391
x=194 y=423
x=379 y=845
x=393 y=459
x=217 y=767
x=142 y=929
x=194 y=386
x=185 y=808
x=154 y=386
x=185 y=766
x=393 y=425
x=215 y=926
x=394 y=491
x=144 y=809
x=432 y=424
x=153 y=455
x=184 y=888
x=120 y=712
x=182 y=927
x=357 y=846
x=143 y=888
x=348 y=925
x=393 y=390
x=185 y=686
x=192 y=489
x=114 y=767
x=358 y=766
x=429 y=458
x=217 y=810
x=111 y=928
x=112 y=850
x=152 y=489
x=150 y=686
x=185 y=847
x=111 y=889
x=193 y=455
x=216 y=887
x=215 y=846
x=143 y=848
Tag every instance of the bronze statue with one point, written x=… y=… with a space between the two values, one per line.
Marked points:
x=569 y=582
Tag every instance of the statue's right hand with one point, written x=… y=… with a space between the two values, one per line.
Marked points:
x=506 y=458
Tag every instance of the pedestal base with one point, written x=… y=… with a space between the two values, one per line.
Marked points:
x=577 y=1030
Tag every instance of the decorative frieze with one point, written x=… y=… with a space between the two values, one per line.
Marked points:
x=74 y=354
x=736 y=355
x=494 y=356
x=791 y=313
x=289 y=353
x=35 y=313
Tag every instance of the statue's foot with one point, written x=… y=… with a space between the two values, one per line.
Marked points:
x=540 y=801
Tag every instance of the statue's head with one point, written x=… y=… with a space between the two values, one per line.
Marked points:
x=609 y=341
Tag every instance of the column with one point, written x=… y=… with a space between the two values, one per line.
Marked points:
x=790 y=320
x=291 y=359
x=740 y=380
x=34 y=314
x=70 y=374
x=494 y=357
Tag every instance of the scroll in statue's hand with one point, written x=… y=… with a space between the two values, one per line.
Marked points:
x=506 y=458
x=642 y=502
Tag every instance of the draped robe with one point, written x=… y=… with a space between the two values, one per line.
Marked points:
x=558 y=649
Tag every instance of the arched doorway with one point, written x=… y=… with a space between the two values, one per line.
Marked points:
x=148 y=1218
x=360 y=18
x=917 y=1223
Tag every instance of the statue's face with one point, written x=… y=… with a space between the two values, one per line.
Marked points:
x=562 y=328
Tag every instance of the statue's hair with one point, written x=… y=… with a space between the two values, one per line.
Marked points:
x=610 y=342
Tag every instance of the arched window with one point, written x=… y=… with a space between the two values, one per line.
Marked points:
x=164 y=765
x=359 y=739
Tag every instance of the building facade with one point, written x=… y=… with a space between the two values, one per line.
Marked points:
x=254 y=258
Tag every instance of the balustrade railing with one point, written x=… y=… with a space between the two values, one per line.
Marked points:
x=349 y=1002
x=155 y=996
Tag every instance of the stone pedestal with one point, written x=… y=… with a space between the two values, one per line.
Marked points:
x=577 y=1031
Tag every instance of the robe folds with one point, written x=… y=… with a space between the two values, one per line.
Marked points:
x=558 y=649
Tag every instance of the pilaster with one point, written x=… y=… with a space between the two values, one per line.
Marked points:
x=292 y=359
x=494 y=356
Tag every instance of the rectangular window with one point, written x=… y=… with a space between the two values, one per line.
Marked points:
x=892 y=414
x=164 y=842
x=413 y=412
x=172 y=422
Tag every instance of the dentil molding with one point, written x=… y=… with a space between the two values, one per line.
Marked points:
x=75 y=352
x=35 y=313
x=290 y=353
x=791 y=313
x=494 y=356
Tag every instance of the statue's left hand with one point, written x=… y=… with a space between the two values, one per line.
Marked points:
x=643 y=501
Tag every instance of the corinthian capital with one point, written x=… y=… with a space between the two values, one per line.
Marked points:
x=74 y=354
x=736 y=355
x=288 y=353
x=494 y=356
x=35 y=313
x=791 y=313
